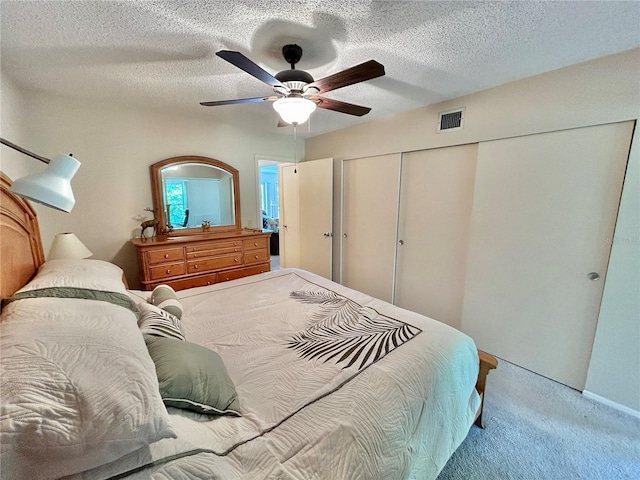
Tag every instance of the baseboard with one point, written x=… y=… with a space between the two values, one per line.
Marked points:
x=611 y=403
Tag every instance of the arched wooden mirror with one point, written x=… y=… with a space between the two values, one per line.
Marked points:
x=195 y=194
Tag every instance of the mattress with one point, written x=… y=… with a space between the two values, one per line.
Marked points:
x=333 y=384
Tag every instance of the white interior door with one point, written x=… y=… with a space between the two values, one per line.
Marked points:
x=289 y=225
x=369 y=222
x=307 y=192
x=315 y=197
x=544 y=206
x=436 y=199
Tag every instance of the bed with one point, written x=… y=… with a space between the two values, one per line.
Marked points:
x=282 y=375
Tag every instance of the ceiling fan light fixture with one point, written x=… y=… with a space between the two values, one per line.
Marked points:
x=295 y=110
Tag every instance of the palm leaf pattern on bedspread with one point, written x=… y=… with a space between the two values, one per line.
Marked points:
x=345 y=332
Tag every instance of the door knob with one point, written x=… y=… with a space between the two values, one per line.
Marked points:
x=401 y=242
x=326 y=234
x=593 y=276
x=344 y=235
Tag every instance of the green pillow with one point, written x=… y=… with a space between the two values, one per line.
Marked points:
x=192 y=377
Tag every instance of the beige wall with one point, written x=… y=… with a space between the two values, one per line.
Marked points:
x=12 y=129
x=599 y=91
x=116 y=144
x=590 y=93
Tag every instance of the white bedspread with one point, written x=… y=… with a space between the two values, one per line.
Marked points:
x=393 y=407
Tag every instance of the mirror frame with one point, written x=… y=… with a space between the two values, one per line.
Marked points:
x=158 y=197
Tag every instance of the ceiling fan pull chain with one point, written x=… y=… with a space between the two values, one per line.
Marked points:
x=295 y=149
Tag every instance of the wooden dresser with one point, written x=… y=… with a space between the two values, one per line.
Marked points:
x=197 y=260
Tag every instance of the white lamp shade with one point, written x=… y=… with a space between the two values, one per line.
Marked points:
x=51 y=187
x=67 y=245
x=294 y=109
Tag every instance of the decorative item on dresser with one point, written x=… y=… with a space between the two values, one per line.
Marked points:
x=198 y=260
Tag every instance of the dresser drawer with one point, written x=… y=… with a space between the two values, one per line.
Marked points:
x=214 y=252
x=166 y=271
x=206 y=247
x=199 y=281
x=242 y=272
x=166 y=255
x=256 y=256
x=213 y=263
x=256 y=243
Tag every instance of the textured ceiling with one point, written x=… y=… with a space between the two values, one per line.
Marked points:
x=162 y=54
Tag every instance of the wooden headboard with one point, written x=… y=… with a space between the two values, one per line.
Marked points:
x=20 y=244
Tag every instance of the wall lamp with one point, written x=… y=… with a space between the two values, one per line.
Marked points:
x=51 y=187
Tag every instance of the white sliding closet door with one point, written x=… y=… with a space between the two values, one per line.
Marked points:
x=436 y=199
x=544 y=212
x=369 y=223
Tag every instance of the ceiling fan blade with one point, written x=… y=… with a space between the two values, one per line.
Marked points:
x=243 y=63
x=238 y=100
x=359 y=73
x=338 y=106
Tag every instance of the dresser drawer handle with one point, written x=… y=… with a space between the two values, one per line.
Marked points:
x=255 y=244
x=235 y=260
x=168 y=270
x=195 y=255
x=208 y=283
x=256 y=257
x=166 y=255
x=195 y=266
x=227 y=279
x=235 y=249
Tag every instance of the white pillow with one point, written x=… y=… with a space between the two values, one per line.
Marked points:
x=78 y=273
x=79 y=388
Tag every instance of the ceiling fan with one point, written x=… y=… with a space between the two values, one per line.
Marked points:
x=297 y=94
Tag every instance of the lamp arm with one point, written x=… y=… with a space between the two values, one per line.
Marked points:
x=22 y=150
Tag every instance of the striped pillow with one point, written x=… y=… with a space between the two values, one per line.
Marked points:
x=158 y=322
x=165 y=297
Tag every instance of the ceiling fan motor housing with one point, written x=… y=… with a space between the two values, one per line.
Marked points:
x=294 y=76
x=294 y=79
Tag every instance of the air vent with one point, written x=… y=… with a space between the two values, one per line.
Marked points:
x=451 y=120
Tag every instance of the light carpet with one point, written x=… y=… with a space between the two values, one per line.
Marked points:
x=539 y=429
